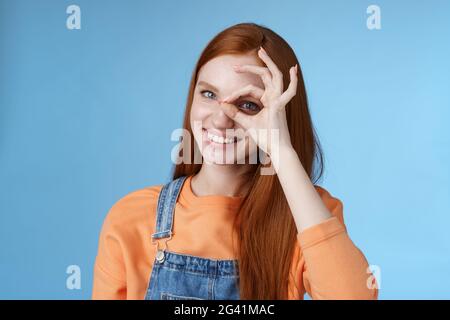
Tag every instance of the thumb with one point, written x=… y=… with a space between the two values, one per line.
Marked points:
x=234 y=113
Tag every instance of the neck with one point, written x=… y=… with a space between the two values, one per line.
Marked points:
x=227 y=180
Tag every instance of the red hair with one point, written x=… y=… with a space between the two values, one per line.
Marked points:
x=266 y=228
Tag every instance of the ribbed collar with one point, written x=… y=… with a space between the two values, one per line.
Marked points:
x=188 y=198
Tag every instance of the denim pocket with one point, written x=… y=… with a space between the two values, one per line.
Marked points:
x=169 y=296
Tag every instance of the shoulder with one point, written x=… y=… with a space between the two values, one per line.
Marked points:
x=125 y=225
x=132 y=211
x=333 y=204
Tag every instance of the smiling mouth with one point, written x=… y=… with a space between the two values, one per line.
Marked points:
x=219 y=139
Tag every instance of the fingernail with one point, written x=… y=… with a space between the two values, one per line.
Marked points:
x=236 y=66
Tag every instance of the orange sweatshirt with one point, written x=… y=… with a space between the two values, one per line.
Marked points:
x=326 y=264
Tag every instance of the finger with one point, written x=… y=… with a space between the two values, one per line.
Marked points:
x=277 y=76
x=234 y=113
x=263 y=72
x=291 y=91
x=250 y=90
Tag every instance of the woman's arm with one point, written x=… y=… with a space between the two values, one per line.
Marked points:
x=109 y=270
x=304 y=202
x=336 y=267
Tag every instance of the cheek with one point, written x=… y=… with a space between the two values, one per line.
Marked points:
x=200 y=110
x=198 y=118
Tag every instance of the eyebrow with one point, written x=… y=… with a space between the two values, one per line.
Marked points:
x=209 y=85
x=206 y=84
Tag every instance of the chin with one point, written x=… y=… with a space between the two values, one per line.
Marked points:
x=217 y=157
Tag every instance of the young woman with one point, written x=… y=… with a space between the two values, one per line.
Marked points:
x=231 y=230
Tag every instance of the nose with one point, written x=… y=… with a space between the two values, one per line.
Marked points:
x=220 y=119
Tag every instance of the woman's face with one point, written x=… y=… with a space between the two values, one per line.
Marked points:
x=210 y=125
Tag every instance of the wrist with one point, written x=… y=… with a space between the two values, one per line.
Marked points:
x=281 y=154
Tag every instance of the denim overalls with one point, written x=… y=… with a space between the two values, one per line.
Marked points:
x=184 y=277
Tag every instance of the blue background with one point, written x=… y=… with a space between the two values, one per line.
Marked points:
x=86 y=117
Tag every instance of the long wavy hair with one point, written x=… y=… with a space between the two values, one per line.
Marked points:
x=266 y=228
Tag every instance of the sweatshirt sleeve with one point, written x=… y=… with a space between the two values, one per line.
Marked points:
x=334 y=268
x=109 y=270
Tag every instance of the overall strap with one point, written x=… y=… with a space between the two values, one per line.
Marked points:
x=166 y=208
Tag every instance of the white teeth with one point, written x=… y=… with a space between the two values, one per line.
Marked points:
x=218 y=139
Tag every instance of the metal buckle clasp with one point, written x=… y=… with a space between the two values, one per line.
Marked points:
x=160 y=255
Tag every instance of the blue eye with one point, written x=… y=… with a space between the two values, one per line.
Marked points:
x=212 y=96
x=250 y=106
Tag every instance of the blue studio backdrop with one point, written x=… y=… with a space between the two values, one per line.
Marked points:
x=86 y=115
